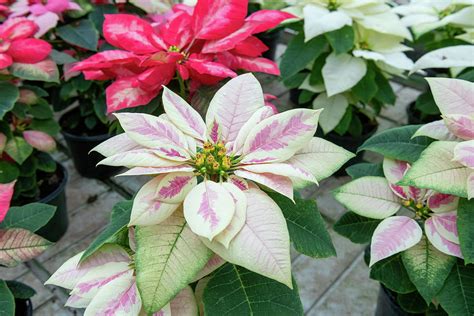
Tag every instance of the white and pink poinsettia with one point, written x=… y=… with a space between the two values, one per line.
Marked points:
x=455 y=99
x=382 y=198
x=6 y=194
x=210 y=169
x=105 y=284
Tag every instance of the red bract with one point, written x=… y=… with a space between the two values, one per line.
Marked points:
x=204 y=44
x=16 y=44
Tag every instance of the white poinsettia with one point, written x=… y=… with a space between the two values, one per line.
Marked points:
x=210 y=168
x=423 y=16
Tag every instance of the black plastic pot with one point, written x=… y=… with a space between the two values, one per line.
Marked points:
x=59 y=223
x=415 y=117
x=23 y=307
x=271 y=40
x=387 y=304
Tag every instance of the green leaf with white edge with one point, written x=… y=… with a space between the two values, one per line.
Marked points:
x=61 y=58
x=457 y=294
x=356 y=228
x=368 y=196
x=45 y=70
x=82 y=34
x=163 y=250
x=18 y=245
x=447 y=57
x=8 y=172
x=7 y=301
x=334 y=109
x=367 y=87
x=392 y=273
x=307 y=228
x=249 y=293
x=437 y=170
x=10 y=95
x=20 y=290
x=465 y=223
x=412 y=303
x=32 y=216
x=341 y=40
x=365 y=169
x=396 y=143
x=18 y=149
x=119 y=219
x=299 y=54
x=427 y=268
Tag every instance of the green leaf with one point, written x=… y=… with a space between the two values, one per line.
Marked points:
x=32 y=216
x=100 y=109
x=306 y=226
x=20 y=290
x=10 y=95
x=412 y=302
x=345 y=122
x=119 y=219
x=45 y=162
x=41 y=111
x=18 y=149
x=457 y=294
x=305 y=96
x=168 y=257
x=90 y=122
x=81 y=84
x=426 y=104
x=341 y=40
x=7 y=301
x=365 y=169
x=316 y=76
x=45 y=70
x=61 y=58
x=49 y=126
x=465 y=223
x=8 y=172
x=82 y=34
x=392 y=273
x=385 y=92
x=295 y=81
x=233 y=290
x=97 y=16
x=427 y=268
x=356 y=228
x=366 y=88
x=396 y=143
x=299 y=54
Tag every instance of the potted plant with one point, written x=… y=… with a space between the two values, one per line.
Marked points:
x=341 y=59
x=415 y=210
x=19 y=243
x=27 y=124
x=219 y=208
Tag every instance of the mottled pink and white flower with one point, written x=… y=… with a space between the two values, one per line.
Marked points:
x=213 y=168
x=6 y=194
x=382 y=198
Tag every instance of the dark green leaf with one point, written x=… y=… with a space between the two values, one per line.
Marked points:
x=316 y=76
x=18 y=149
x=45 y=162
x=365 y=169
x=90 y=122
x=426 y=104
x=299 y=54
x=295 y=81
x=119 y=219
x=20 y=110
x=233 y=290
x=28 y=168
x=345 y=122
x=356 y=228
x=366 y=88
x=97 y=16
x=307 y=229
x=392 y=273
x=467 y=75
x=465 y=222
x=396 y=143
x=67 y=91
x=412 y=302
x=7 y=301
x=20 y=290
x=9 y=95
x=61 y=58
x=341 y=40
x=385 y=92
x=82 y=34
x=8 y=172
x=37 y=90
x=50 y=126
x=305 y=96
x=41 y=111
x=100 y=109
x=31 y=216
x=355 y=128
x=80 y=83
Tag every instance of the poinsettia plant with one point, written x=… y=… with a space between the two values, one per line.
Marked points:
x=341 y=59
x=195 y=46
x=19 y=243
x=219 y=207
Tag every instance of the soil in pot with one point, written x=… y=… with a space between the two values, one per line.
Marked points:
x=23 y=307
x=80 y=140
x=416 y=117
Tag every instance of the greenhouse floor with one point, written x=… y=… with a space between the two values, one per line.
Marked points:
x=332 y=286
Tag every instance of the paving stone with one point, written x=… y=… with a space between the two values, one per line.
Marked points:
x=131 y=184
x=55 y=308
x=327 y=205
x=356 y=294
x=80 y=191
x=315 y=276
x=12 y=273
x=398 y=112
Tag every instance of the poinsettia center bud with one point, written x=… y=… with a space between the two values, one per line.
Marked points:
x=332 y=5
x=174 y=49
x=212 y=161
x=364 y=45
x=419 y=208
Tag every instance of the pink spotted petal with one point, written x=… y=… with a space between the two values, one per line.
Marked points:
x=146 y=209
x=280 y=184
x=441 y=243
x=5 y=60
x=126 y=93
x=45 y=22
x=230 y=41
x=18 y=28
x=394 y=170
x=251 y=47
x=393 y=235
x=204 y=68
x=256 y=64
x=115 y=145
x=29 y=50
x=183 y=115
x=6 y=194
x=138 y=158
x=105 y=59
x=174 y=187
x=440 y=203
x=461 y=125
x=234 y=104
x=464 y=153
x=259 y=115
x=268 y=19
x=445 y=225
x=280 y=136
x=239 y=182
x=40 y=140
x=452 y=96
x=214 y=263
x=184 y=303
x=208 y=209
x=140 y=171
x=282 y=169
x=401 y=192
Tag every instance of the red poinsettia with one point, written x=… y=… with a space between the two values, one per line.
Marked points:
x=205 y=44
x=17 y=44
